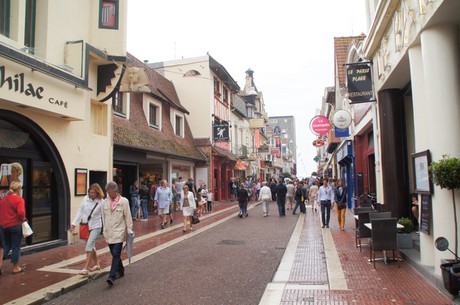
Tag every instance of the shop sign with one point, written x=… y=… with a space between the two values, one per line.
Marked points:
x=341 y=133
x=342 y=119
x=318 y=142
x=276 y=151
x=257 y=137
x=221 y=131
x=359 y=83
x=277 y=131
x=256 y=123
x=320 y=125
x=36 y=90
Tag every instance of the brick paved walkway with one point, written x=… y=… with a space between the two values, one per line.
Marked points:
x=327 y=268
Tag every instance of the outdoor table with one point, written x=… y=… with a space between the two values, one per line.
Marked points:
x=369 y=225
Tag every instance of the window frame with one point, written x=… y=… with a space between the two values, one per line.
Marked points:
x=5 y=30
x=174 y=115
x=29 y=25
x=116 y=6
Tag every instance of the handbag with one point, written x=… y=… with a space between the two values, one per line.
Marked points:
x=84 y=231
x=341 y=205
x=195 y=218
x=26 y=229
x=84 y=227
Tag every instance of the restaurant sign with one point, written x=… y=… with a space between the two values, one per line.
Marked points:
x=359 y=83
x=221 y=131
x=320 y=125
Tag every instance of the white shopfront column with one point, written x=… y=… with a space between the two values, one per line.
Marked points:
x=422 y=129
x=440 y=53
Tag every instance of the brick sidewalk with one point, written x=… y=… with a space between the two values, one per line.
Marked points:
x=311 y=276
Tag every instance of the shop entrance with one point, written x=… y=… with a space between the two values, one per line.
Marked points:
x=27 y=155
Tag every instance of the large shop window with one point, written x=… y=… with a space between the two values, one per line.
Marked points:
x=22 y=160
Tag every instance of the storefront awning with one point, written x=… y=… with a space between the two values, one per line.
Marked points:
x=224 y=153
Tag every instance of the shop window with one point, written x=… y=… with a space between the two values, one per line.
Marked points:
x=99 y=118
x=108 y=14
x=5 y=18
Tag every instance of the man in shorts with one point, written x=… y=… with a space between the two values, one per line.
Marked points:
x=162 y=201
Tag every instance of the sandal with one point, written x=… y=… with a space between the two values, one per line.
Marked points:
x=20 y=270
x=95 y=268
x=84 y=272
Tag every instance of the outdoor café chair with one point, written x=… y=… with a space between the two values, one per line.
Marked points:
x=383 y=237
x=362 y=231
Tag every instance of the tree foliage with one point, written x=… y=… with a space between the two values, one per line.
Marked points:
x=446 y=172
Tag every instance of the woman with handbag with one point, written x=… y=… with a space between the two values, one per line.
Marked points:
x=188 y=206
x=89 y=216
x=12 y=215
x=340 y=194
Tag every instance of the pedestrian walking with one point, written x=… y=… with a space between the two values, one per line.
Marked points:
x=305 y=191
x=243 y=199
x=188 y=206
x=12 y=215
x=144 y=196
x=273 y=189
x=340 y=195
x=281 y=191
x=290 y=194
x=325 y=197
x=298 y=196
x=162 y=201
x=118 y=223
x=179 y=189
x=233 y=189
x=265 y=195
x=134 y=195
x=313 y=195
x=90 y=212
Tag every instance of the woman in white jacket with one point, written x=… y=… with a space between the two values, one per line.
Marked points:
x=188 y=206
x=91 y=202
x=265 y=195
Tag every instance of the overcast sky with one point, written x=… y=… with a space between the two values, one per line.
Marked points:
x=288 y=44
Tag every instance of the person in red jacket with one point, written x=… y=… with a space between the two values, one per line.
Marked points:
x=12 y=215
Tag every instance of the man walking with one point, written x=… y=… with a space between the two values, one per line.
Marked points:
x=116 y=216
x=265 y=195
x=281 y=191
x=162 y=201
x=325 y=196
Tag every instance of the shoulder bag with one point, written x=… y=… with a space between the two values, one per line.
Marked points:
x=84 y=228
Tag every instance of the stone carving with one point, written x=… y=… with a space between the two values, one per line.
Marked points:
x=134 y=80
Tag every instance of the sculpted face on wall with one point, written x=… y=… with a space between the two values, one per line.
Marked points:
x=134 y=80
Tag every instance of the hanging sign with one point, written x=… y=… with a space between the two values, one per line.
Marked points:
x=359 y=83
x=320 y=125
x=341 y=133
x=342 y=119
x=318 y=142
x=221 y=131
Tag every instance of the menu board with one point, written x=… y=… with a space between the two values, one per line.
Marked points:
x=425 y=214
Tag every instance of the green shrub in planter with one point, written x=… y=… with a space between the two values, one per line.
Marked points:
x=408 y=225
x=446 y=174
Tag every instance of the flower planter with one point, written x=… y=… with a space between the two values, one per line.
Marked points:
x=404 y=240
x=451 y=277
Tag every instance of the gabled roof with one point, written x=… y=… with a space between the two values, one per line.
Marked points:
x=159 y=86
x=223 y=74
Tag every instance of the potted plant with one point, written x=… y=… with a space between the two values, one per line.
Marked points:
x=404 y=235
x=446 y=174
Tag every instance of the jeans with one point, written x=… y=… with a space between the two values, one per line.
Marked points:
x=325 y=208
x=134 y=207
x=281 y=202
x=265 y=208
x=13 y=238
x=243 y=208
x=117 y=264
x=145 y=212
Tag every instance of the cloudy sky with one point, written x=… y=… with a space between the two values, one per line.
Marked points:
x=288 y=44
